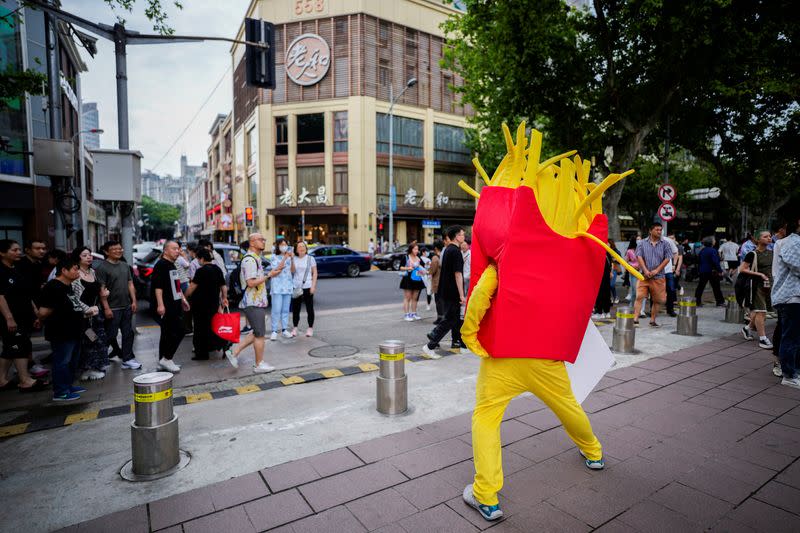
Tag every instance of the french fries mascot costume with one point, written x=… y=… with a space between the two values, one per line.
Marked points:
x=529 y=213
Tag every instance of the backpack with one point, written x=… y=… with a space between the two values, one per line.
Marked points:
x=235 y=290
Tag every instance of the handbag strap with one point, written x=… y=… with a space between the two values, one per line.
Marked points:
x=305 y=274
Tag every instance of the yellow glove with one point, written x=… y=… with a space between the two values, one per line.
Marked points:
x=479 y=302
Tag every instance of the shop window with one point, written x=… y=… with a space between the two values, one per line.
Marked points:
x=409 y=184
x=311 y=133
x=309 y=181
x=450 y=144
x=340 y=186
x=281 y=136
x=448 y=195
x=408 y=136
x=13 y=123
x=340 y=131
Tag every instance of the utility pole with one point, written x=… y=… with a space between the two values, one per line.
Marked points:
x=410 y=83
x=665 y=231
x=54 y=116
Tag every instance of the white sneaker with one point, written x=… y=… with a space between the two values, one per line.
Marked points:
x=310 y=332
x=168 y=365
x=232 y=359
x=409 y=317
x=597 y=316
x=85 y=375
x=428 y=307
x=430 y=354
x=132 y=364
x=606 y=315
x=765 y=343
x=776 y=371
x=274 y=336
x=94 y=375
x=791 y=382
x=415 y=316
x=287 y=334
x=37 y=368
x=263 y=368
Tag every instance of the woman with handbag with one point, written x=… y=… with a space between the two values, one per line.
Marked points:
x=757 y=265
x=94 y=350
x=305 y=285
x=207 y=294
x=412 y=283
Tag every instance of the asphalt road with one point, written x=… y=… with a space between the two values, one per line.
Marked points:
x=370 y=288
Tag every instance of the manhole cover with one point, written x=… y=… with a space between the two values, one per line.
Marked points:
x=333 y=351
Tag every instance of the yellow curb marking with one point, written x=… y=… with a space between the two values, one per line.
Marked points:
x=247 y=389
x=202 y=397
x=292 y=380
x=331 y=373
x=81 y=417
x=368 y=367
x=16 y=429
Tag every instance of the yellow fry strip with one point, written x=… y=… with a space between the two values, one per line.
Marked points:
x=508 y=138
x=598 y=191
x=481 y=171
x=512 y=179
x=614 y=254
x=556 y=159
x=469 y=190
x=498 y=172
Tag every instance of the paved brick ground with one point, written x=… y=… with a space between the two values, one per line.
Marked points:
x=700 y=439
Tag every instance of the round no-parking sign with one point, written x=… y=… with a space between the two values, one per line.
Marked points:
x=667 y=212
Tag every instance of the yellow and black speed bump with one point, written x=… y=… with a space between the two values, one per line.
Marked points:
x=27 y=423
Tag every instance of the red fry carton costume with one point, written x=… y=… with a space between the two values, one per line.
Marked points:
x=538 y=248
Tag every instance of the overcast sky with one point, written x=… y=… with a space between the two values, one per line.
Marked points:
x=167 y=83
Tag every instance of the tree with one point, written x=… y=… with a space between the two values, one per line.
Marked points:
x=595 y=79
x=161 y=217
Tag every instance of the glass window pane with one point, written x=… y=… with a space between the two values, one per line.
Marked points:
x=281 y=136
x=450 y=144
x=13 y=122
x=408 y=135
x=311 y=133
x=340 y=131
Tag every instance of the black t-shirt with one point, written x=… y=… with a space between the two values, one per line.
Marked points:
x=452 y=262
x=16 y=289
x=66 y=322
x=165 y=277
x=208 y=279
x=34 y=275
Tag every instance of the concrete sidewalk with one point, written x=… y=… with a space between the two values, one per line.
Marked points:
x=696 y=439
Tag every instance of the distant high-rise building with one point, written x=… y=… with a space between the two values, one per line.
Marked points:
x=91 y=121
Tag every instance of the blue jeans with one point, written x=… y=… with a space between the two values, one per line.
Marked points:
x=790 y=338
x=280 y=311
x=66 y=357
x=613 y=285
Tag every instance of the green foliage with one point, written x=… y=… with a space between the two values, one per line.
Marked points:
x=161 y=217
x=153 y=10
x=608 y=77
x=14 y=83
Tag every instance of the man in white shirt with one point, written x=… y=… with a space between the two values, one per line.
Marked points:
x=728 y=251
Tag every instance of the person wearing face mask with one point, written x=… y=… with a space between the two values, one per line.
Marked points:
x=281 y=287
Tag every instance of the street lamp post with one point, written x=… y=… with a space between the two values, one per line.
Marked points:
x=410 y=83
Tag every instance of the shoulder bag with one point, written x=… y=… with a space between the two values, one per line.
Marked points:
x=297 y=292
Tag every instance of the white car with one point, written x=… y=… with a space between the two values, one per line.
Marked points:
x=141 y=250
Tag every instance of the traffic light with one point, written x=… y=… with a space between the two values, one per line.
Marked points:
x=248 y=216
x=380 y=226
x=260 y=62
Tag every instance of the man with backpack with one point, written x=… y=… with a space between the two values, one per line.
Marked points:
x=254 y=303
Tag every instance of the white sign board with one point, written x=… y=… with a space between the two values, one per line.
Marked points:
x=594 y=360
x=667 y=193
x=667 y=212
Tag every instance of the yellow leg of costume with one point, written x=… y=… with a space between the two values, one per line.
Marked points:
x=499 y=381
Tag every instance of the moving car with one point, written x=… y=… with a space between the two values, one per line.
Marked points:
x=338 y=260
x=396 y=258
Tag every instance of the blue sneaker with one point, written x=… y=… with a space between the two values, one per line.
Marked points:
x=488 y=512
x=67 y=397
x=77 y=390
x=593 y=465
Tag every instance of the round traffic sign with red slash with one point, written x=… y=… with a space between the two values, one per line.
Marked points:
x=667 y=193
x=667 y=212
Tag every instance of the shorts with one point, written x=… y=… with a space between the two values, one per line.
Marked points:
x=257 y=318
x=732 y=263
x=657 y=288
x=762 y=301
x=17 y=345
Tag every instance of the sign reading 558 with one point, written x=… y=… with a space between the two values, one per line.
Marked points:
x=310 y=7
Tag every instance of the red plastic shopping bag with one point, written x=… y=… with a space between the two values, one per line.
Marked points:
x=226 y=326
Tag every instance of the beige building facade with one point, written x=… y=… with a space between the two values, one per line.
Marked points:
x=218 y=222
x=311 y=156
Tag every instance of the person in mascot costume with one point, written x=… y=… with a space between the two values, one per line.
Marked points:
x=528 y=213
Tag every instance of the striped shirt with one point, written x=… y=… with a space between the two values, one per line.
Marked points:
x=653 y=254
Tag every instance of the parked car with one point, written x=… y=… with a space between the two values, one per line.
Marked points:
x=141 y=250
x=230 y=253
x=338 y=260
x=396 y=258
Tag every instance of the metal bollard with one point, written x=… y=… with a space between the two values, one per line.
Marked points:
x=624 y=331
x=154 y=430
x=687 y=316
x=392 y=382
x=734 y=314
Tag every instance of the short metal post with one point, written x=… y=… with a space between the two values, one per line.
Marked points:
x=687 y=316
x=154 y=430
x=734 y=313
x=392 y=382
x=624 y=331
